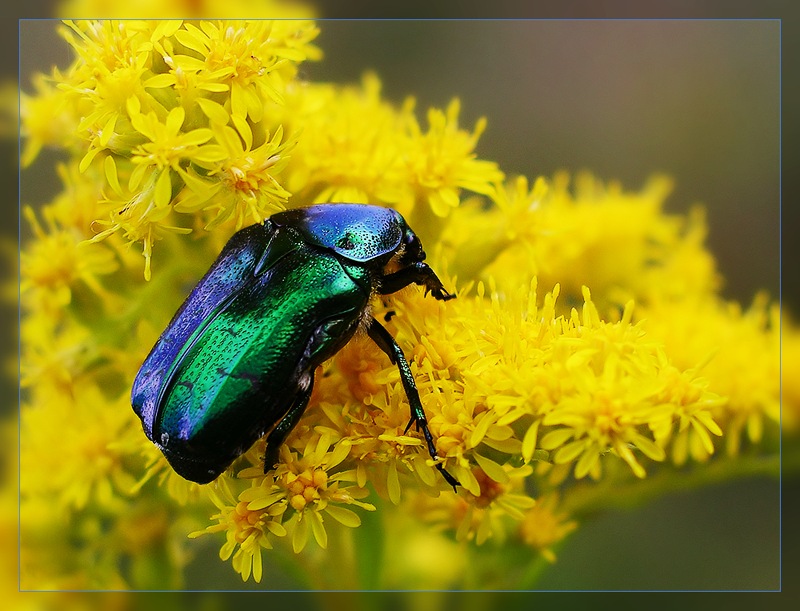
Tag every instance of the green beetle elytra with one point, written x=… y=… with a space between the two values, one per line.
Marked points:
x=237 y=360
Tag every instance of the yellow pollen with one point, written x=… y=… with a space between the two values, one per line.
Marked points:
x=298 y=502
x=320 y=478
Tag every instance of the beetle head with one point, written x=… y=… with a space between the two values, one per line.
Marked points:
x=358 y=232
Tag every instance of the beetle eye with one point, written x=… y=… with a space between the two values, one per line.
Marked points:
x=413 y=250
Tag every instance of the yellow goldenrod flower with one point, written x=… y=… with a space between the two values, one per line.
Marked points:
x=248 y=524
x=45 y=277
x=97 y=469
x=619 y=243
x=173 y=112
x=176 y=9
x=790 y=384
x=303 y=487
x=242 y=179
x=737 y=352
x=501 y=503
x=357 y=148
x=349 y=146
x=442 y=161
x=545 y=526
x=46 y=119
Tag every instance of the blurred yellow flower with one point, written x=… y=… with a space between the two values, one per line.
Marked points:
x=357 y=148
x=544 y=526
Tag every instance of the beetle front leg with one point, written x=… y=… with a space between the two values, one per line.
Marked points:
x=416 y=273
x=286 y=424
x=386 y=342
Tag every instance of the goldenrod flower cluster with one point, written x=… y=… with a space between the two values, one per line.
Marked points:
x=587 y=343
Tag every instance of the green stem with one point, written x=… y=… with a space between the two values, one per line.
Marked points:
x=531 y=576
x=587 y=498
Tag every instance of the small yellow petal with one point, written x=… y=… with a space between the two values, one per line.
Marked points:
x=163 y=191
x=343 y=516
x=492 y=469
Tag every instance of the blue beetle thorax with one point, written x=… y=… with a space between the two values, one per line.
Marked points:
x=359 y=232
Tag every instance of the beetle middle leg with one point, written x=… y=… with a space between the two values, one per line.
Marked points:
x=416 y=273
x=286 y=424
x=386 y=342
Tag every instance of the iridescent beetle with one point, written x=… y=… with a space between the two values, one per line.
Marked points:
x=237 y=360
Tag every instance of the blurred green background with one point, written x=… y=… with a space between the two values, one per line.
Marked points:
x=698 y=100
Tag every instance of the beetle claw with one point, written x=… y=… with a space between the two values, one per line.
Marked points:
x=447 y=477
x=408 y=426
x=440 y=293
